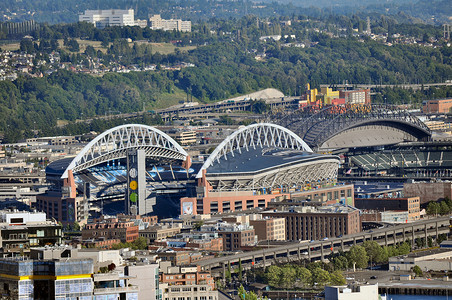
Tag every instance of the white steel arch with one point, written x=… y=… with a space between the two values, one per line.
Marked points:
x=114 y=143
x=261 y=134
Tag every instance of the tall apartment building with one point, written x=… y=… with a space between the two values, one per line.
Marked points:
x=156 y=22
x=315 y=223
x=109 y=17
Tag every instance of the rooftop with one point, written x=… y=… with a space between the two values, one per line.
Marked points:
x=260 y=158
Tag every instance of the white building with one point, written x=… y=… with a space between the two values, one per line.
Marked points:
x=352 y=292
x=109 y=17
x=156 y=22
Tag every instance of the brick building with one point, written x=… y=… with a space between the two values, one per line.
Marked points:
x=311 y=223
x=125 y=231
x=158 y=232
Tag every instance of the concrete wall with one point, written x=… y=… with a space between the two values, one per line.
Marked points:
x=428 y=191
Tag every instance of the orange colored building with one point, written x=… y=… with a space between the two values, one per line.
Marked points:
x=439 y=106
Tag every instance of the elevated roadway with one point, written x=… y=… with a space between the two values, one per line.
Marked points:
x=318 y=250
x=415 y=87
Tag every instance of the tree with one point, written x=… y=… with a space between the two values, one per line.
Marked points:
x=433 y=208
x=288 y=276
x=140 y=243
x=321 y=277
x=76 y=226
x=417 y=270
x=244 y=295
x=304 y=275
x=337 y=278
x=228 y=274
x=357 y=255
x=340 y=262
x=273 y=275
x=444 y=209
x=240 y=270
x=375 y=252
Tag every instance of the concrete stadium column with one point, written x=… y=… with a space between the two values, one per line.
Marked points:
x=224 y=270
x=321 y=252
x=274 y=255
x=299 y=253
x=342 y=244
x=436 y=226
x=394 y=237
x=263 y=257
x=425 y=233
x=354 y=241
x=412 y=236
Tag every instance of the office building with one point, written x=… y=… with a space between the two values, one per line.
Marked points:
x=156 y=22
x=46 y=279
x=439 y=106
x=109 y=17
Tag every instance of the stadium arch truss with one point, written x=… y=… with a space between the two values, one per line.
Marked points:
x=317 y=126
x=267 y=136
x=115 y=142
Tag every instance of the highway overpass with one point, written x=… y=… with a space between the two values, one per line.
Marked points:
x=318 y=250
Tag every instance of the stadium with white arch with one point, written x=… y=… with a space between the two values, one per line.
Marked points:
x=252 y=166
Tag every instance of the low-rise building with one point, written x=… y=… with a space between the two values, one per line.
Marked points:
x=395 y=210
x=111 y=228
x=189 y=275
x=235 y=236
x=159 y=232
x=436 y=259
x=352 y=292
x=20 y=231
x=201 y=241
